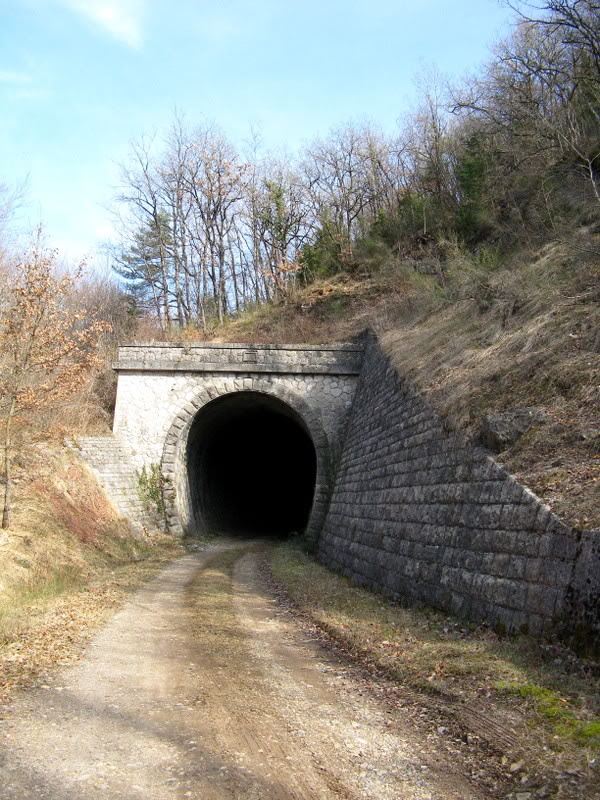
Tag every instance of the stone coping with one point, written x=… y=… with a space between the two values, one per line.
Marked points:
x=348 y=346
x=246 y=369
x=337 y=359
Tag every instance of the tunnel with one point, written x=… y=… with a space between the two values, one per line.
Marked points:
x=252 y=467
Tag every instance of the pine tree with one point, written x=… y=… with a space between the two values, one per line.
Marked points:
x=147 y=268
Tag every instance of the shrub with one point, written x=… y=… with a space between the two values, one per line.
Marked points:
x=150 y=488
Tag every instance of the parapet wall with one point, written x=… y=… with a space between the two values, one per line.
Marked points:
x=426 y=517
x=333 y=359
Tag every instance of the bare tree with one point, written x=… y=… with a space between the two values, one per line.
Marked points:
x=46 y=350
x=542 y=90
x=141 y=192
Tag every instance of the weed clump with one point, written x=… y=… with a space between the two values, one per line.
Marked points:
x=552 y=707
x=150 y=485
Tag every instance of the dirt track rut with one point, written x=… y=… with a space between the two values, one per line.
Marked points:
x=202 y=687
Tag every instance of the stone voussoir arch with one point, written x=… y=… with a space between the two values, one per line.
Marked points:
x=173 y=462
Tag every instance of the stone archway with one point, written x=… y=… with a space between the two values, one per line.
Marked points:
x=181 y=496
x=161 y=388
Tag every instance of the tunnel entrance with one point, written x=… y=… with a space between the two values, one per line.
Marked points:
x=252 y=466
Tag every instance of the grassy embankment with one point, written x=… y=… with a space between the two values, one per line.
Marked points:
x=534 y=699
x=65 y=563
x=479 y=334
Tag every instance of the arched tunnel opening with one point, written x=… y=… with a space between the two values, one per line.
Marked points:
x=252 y=467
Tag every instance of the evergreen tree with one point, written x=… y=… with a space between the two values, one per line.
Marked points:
x=147 y=268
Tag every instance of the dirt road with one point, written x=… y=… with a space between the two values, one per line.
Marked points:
x=202 y=687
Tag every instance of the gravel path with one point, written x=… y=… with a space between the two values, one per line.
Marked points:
x=202 y=688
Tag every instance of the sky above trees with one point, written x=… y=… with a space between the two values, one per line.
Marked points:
x=79 y=79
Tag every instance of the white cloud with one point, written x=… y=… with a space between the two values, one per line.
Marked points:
x=120 y=18
x=14 y=78
x=30 y=94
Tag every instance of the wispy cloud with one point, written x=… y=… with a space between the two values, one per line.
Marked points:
x=15 y=78
x=120 y=18
x=30 y=94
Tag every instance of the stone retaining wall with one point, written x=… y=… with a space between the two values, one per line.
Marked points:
x=582 y=617
x=110 y=461
x=426 y=517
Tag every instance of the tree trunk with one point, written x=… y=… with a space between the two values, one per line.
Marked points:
x=6 y=512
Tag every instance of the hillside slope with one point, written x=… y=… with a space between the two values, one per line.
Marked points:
x=67 y=560
x=480 y=335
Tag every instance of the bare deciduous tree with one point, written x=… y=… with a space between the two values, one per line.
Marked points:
x=46 y=350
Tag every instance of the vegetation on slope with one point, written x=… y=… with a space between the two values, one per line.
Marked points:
x=511 y=154
x=66 y=561
x=536 y=703
x=516 y=330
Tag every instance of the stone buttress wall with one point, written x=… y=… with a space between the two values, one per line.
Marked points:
x=425 y=517
x=582 y=617
x=110 y=462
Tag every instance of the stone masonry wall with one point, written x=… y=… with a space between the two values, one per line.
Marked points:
x=162 y=387
x=111 y=464
x=292 y=359
x=148 y=402
x=425 y=517
x=582 y=617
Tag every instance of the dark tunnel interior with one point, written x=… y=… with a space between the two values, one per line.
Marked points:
x=252 y=467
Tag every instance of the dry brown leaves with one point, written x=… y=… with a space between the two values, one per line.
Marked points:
x=55 y=635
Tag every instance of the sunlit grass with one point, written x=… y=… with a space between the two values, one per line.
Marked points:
x=428 y=650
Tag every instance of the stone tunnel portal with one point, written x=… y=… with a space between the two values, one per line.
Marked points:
x=252 y=466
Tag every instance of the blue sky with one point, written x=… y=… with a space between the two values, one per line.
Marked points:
x=79 y=79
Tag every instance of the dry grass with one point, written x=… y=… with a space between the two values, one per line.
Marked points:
x=541 y=693
x=536 y=343
x=497 y=334
x=50 y=622
x=64 y=563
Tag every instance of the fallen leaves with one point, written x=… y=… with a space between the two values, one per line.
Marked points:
x=55 y=635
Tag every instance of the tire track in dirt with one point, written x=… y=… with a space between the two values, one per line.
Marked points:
x=349 y=734
x=201 y=688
